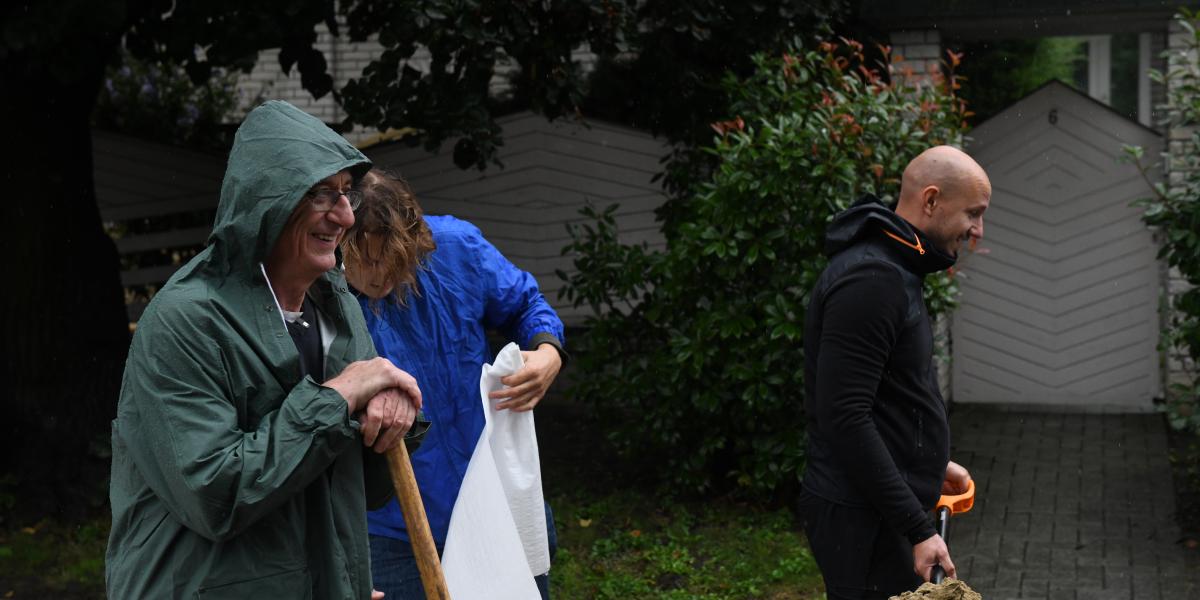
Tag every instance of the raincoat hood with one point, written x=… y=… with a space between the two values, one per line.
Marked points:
x=279 y=153
x=869 y=216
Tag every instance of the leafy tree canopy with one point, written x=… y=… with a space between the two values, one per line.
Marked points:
x=660 y=62
x=67 y=335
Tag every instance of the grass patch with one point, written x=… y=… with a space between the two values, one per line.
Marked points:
x=51 y=559
x=621 y=536
x=625 y=544
x=638 y=545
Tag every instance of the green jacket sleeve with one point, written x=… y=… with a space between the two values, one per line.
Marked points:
x=219 y=439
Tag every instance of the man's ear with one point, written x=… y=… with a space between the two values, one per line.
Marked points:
x=929 y=199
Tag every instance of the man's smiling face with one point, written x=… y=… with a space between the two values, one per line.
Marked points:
x=308 y=241
x=958 y=216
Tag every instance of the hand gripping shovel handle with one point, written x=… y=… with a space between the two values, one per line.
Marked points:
x=946 y=506
x=424 y=549
x=943 y=520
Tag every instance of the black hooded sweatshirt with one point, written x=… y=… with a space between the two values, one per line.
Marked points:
x=878 y=434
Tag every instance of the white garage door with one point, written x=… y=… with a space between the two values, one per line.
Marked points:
x=1063 y=309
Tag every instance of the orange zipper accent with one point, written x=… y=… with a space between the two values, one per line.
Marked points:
x=916 y=246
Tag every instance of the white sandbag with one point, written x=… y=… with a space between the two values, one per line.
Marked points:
x=497 y=538
x=515 y=449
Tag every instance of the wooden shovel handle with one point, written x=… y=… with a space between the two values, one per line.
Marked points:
x=424 y=549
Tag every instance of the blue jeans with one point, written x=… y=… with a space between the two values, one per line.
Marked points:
x=394 y=567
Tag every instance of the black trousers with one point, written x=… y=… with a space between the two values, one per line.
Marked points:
x=860 y=557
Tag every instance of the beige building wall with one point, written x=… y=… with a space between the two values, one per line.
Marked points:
x=919 y=52
x=551 y=171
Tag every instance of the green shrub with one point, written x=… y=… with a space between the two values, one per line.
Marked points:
x=159 y=101
x=1175 y=212
x=695 y=353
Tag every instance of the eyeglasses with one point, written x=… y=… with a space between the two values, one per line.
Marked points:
x=324 y=199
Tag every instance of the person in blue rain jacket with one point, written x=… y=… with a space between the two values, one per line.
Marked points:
x=430 y=288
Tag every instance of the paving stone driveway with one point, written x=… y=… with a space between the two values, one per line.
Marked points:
x=1069 y=506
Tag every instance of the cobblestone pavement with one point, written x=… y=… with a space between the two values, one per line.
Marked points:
x=1069 y=506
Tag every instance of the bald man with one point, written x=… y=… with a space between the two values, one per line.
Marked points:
x=878 y=434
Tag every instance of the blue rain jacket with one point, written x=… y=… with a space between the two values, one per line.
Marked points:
x=440 y=338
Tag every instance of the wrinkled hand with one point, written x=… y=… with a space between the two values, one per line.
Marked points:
x=385 y=420
x=527 y=386
x=932 y=552
x=957 y=480
x=360 y=381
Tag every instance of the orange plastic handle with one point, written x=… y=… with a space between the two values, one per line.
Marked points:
x=960 y=503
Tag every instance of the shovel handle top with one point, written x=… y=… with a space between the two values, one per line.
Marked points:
x=960 y=503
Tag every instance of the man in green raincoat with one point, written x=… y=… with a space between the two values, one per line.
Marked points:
x=253 y=414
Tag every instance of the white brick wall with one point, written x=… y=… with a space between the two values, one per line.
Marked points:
x=916 y=54
x=1181 y=158
x=346 y=61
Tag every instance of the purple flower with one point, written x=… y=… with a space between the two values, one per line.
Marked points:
x=147 y=88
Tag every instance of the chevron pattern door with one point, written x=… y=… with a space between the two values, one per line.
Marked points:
x=1062 y=309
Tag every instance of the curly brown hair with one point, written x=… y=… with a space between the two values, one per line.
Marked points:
x=390 y=211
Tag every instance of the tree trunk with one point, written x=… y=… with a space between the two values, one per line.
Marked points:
x=65 y=333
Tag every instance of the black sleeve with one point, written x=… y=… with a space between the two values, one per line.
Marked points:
x=549 y=338
x=377 y=477
x=864 y=313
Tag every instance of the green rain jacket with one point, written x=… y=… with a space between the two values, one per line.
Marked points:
x=232 y=476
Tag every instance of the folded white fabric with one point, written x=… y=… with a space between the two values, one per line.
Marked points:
x=497 y=538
